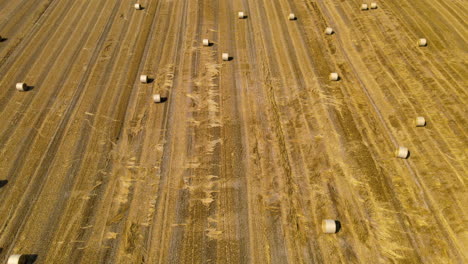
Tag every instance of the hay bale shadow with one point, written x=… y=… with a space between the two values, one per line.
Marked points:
x=338 y=226
x=3 y=183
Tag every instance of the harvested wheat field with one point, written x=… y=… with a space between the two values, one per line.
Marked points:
x=237 y=159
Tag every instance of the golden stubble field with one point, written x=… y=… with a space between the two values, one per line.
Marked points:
x=246 y=157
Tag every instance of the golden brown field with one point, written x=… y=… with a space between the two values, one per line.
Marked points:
x=246 y=157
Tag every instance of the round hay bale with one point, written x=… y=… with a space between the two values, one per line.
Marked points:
x=206 y=42
x=144 y=78
x=292 y=16
x=157 y=98
x=422 y=42
x=402 y=153
x=137 y=6
x=373 y=5
x=420 y=121
x=241 y=15
x=15 y=259
x=329 y=226
x=364 y=7
x=329 y=31
x=21 y=87
x=334 y=76
x=225 y=56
